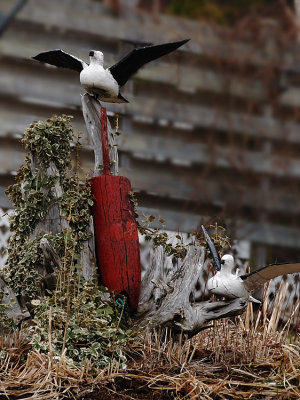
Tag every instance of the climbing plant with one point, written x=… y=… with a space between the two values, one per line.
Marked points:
x=77 y=319
x=34 y=193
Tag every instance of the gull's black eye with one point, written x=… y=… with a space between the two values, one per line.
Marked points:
x=91 y=53
x=222 y=262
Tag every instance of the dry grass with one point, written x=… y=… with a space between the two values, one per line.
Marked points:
x=248 y=357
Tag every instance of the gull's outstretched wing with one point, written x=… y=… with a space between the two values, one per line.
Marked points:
x=134 y=60
x=60 y=58
x=212 y=249
x=257 y=278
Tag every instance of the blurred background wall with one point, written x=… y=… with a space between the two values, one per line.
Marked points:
x=212 y=131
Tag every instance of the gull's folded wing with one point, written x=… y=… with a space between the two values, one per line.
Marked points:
x=257 y=278
x=60 y=58
x=212 y=249
x=128 y=65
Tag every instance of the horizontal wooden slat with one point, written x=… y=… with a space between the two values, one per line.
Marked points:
x=265 y=233
x=183 y=152
x=178 y=184
x=268 y=234
x=92 y=17
x=16 y=117
x=62 y=89
x=184 y=77
x=159 y=147
x=4 y=202
x=175 y=173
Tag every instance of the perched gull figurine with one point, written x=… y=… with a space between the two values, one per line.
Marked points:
x=103 y=83
x=231 y=285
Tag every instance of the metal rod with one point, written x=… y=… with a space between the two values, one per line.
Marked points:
x=4 y=21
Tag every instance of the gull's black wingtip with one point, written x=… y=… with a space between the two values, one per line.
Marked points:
x=212 y=249
x=42 y=57
x=180 y=42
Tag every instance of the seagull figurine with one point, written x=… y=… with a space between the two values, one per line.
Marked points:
x=103 y=83
x=231 y=285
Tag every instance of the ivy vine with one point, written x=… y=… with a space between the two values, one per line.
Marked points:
x=33 y=194
x=74 y=319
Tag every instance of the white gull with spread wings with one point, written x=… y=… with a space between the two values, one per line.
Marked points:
x=103 y=83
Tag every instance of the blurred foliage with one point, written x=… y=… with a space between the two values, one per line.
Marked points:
x=220 y=11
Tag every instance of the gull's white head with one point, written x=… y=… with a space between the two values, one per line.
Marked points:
x=227 y=263
x=96 y=57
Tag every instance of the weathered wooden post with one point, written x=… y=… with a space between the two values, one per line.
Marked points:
x=116 y=235
x=164 y=298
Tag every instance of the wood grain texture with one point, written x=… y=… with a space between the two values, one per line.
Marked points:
x=166 y=301
x=115 y=226
x=116 y=236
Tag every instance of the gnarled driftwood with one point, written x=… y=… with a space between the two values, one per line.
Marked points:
x=166 y=299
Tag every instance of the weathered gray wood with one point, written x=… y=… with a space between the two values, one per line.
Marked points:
x=166 y=300
x=91 y=114
x=187 y=153
x=9 y=299
x=230 y=191
x=54 y=221
x=4 y=202
x=50 y=88
x=160 y=182
x=189 y=79
x=51 y=265
x=206 y=39
x=88 y=256
x=256 y=232
x=144 y=145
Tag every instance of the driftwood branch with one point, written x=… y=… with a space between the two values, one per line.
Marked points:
x=167 y=300
x=9 y=299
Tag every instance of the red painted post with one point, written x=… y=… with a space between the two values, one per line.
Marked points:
x=116 y=235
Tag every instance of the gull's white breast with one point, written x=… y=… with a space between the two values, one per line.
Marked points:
x=227 y=285
x=97 y=80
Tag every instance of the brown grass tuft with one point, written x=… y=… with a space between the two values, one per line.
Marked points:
x=247 y=357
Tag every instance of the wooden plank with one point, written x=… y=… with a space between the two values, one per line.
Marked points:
x=183 y=186
x=16 y=117
x=266 y=233
x=11 y=159
x=257 y=232
x=47 y=86
x=4 y=202
x=184 y=77
x=92 y=15
x=14 y=121
x=168 y=183
x=206 y=39
x=161 y=148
